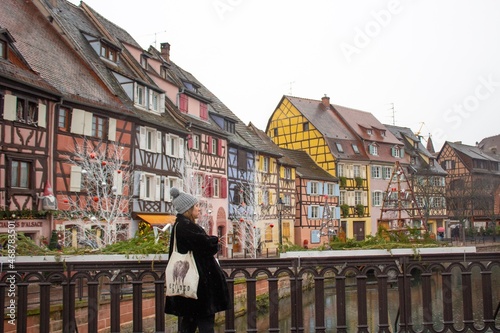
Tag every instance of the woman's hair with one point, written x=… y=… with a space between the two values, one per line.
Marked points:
x=189 y=213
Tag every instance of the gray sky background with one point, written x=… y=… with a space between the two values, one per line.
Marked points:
x=431 y=65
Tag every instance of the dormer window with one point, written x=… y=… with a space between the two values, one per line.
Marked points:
x=190 y=86
x=397 y=151
x=382 y=133
x=229 y=126
x=104 y=48
x=144 y=61
x=5 y=39
x=369 y=132
x=355 y=149
x=3 y=49
x=339 y=147
x=373 y=149
x=109 y=53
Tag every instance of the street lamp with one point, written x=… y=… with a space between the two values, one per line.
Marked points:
x=280 y=205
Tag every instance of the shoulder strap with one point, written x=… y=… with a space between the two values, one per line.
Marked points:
x=175 y=239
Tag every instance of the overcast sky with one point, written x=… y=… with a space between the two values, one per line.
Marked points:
x=431 y=65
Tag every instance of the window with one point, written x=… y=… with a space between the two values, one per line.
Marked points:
x=108 y=53
x=196 y=142
x=216 y=188
x=183 y=103
x=339 y=147
x=98 y=127
x=150 y=139
x=330 y=189
x=287 y=200
x=265 y=164
x=20 y=177
x=64 y=120
x=242 y=162
x=376 y=171
x=377 y=198
x=174 y=145
x=199 y=185
x=140 y=95
x=342 y=198
x=386 y=172
x=314 y=212
x=288 y=173
x=305 y=126
x=3 y=49
x=148 y=187
x=155 y=98
x=397 y=151
x=144 y=61
x=215 y=145
x=26 y=111
x=341 y=170
x=229 y=126
x=369 y=132
x=382 y=133
x=275 y=132
x=358 y=198
x=448 y=165
x=313 y=188
x=355 y=148
x=169 y=183
x=269 y=234
x=373 y=149
x=357 y=170
x=204 y=111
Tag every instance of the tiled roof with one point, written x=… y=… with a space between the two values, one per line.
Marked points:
x=474 y=152
x=50 y=56
x=490 y=144
x=307 y=168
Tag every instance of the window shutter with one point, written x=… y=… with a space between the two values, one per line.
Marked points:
x=209 y=142
x=350 y=171
x=350 y=198
x=42 y=115
x=308 y=188
x=136 y=95
x=363 y=171
x=309 y=212
x=75 y=182
x=190 y=142
x=150 y=104
x=208 y=186
x=166 y=189
x=158 y=142
x=181 y=148
x=168 y=145
x=157 y=188
x=336 y=213
x=364 y=199
x=370 y=149
x=393 y=151
x=118 y=182
x=142 y=186
x=320 y=189
x=162 y=103
x=321 y=211
x=9 y=107
x=401 y=152
x=112 y=129
x=87 y=123
x=336 y=190
x=219 y=147
x=77 y=121
x=223 y=188
x=325 y=188
x=142 y=137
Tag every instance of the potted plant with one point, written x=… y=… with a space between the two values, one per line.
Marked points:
x=343 y=181
x=360 y=210
x=345 y=210
x=359 y=181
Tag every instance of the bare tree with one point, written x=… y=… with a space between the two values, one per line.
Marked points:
x=103 y=202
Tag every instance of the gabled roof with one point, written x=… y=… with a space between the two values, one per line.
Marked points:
x=473 y=152
x=307 y=168
x=405 y=134
x=331 y=126
x=49 y=55
x=490 y=144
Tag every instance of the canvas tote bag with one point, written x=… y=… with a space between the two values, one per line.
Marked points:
x=181 y=274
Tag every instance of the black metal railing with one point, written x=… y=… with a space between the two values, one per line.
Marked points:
x=452 y=292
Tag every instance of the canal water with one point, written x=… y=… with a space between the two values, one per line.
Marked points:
x=393 y=300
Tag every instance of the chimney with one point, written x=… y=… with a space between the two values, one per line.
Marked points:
x=325 y=100
x=165 y=51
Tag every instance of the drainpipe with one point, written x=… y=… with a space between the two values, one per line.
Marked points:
x=178 y=97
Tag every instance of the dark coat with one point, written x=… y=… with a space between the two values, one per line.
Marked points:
x=213 y=294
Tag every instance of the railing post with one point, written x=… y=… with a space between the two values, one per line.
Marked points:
x=319 y=304
x=160 y=305
x=45 y=307
x=137 y=306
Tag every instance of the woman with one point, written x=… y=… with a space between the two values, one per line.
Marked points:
x=213 y=295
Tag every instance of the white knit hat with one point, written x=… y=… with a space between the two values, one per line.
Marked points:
x=182 y=201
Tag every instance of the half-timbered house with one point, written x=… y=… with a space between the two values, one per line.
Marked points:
x=27 y=103
x=472 y=185
x=427 y=178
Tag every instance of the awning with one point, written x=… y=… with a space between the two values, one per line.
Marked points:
x=157 y=219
